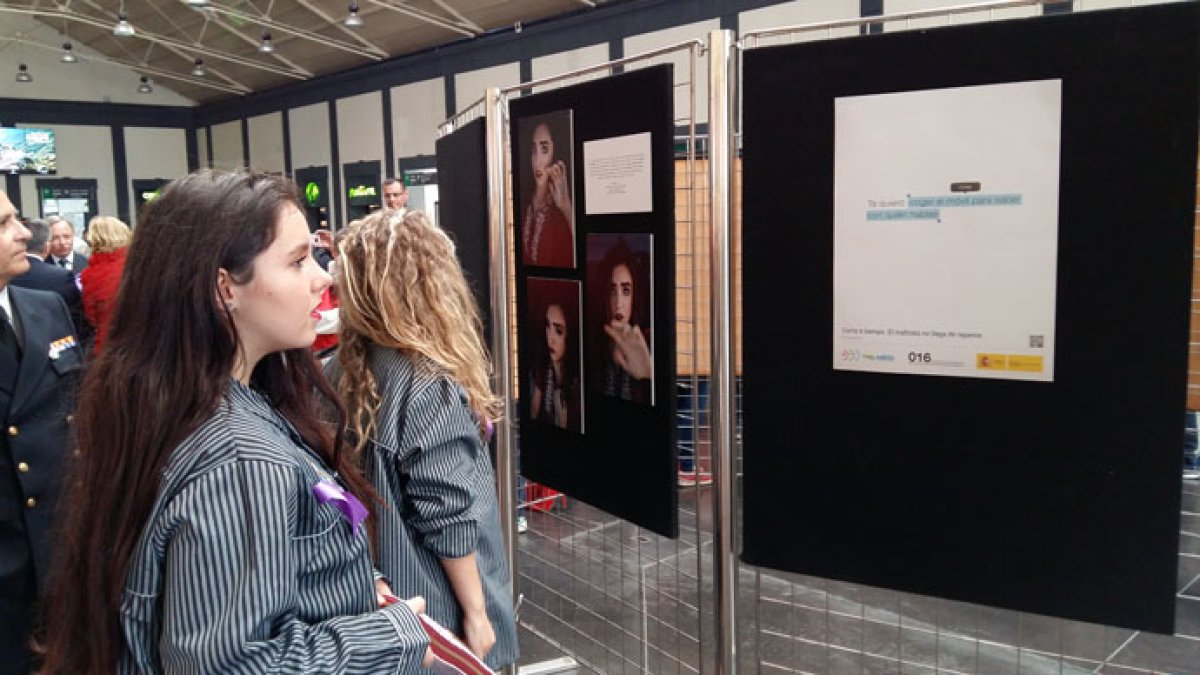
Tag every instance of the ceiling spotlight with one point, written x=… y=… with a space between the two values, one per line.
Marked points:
x=198 y=69
x=353 y=20
x=123 y=28
x=197 y=4
x=144 y=87
x=68 y=56
x=266 y=46
x=23 y=73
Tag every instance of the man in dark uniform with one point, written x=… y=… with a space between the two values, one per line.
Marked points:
x=40 y=363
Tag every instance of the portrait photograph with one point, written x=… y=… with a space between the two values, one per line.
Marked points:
x=620 y=316
x=555 y=377
x=546 y=190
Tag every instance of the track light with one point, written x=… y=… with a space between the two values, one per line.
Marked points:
x=144 y=87
x=198 y=69
x=123 y=28
x=23 y=73
x=266 y=46
x=68 y=56
x=353 y=20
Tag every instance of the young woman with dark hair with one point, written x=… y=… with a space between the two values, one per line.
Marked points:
x=548 y=223
x=555 y=396
x=626 y=366
x=213 y=525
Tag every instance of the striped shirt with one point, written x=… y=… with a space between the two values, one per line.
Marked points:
x=240 y=570
x=431 y=468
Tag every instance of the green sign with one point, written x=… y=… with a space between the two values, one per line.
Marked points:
x=312 y=193
x=150 y=195
x=362 y=191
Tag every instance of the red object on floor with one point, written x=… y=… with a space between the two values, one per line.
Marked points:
x=542 y=498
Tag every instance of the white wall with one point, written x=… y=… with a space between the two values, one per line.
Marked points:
x=360 y=134
x=565 y=62
x=83 y=152
x=645 y=42
x=266 y=142
x=417 y=110
x=227 y=146
x=308 y=130
x=469 y=86
x=153 y=153
x=896 y=6
x=798 y=13
x=86 y=80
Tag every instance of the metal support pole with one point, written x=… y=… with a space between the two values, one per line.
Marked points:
x=506 y=466
x=721 y=78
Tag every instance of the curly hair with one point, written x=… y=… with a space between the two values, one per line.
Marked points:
x=400 y=286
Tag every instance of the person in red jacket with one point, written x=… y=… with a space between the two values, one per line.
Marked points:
x=109 y=239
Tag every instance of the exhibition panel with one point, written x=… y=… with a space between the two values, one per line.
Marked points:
x=593 y=172
x=938 y=393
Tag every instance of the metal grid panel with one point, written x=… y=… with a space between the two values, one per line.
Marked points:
x=617 y=598
x=803 y=624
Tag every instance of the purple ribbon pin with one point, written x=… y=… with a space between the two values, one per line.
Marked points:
x=352 y=509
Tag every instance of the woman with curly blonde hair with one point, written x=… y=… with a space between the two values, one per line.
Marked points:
x=109 y=239
x=413 y=374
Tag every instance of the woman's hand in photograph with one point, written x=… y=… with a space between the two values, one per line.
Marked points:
x=478 y=633
x=560 y=191
x=632 y=353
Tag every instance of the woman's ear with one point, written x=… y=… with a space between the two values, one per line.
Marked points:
x=226 y=294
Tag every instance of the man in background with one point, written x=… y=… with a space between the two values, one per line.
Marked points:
x=395 y=194
x=45 y=277
x=40 y=364
x=62 y=248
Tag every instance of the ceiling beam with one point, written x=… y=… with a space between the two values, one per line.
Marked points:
x=249 y=40
x=423 y=16
x=462 y=20
x=136 y=67
x=106 y=24
x=368 y=50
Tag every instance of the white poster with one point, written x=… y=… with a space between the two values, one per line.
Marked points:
x=616 y=175
x=946 y=231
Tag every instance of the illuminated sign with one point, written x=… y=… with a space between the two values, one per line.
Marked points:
x=150 y=195
x=312 y=193
x=362 y=191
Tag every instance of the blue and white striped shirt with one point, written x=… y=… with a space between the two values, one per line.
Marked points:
x=432 y=471
x=241 y=570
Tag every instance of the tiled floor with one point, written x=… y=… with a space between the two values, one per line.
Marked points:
x=621 y=600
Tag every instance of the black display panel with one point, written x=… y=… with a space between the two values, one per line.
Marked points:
x=593 y=281
x=1059 y=497
x=462 y=178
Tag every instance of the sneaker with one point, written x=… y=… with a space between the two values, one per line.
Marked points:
x=688 y=478
x=522 y=525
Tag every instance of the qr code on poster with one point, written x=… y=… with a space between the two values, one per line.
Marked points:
x=1037 y=341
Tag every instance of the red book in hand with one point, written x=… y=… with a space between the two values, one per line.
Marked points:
x=448 y=648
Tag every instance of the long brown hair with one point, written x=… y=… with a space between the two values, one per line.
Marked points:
x=400 y=285
x=166 y=364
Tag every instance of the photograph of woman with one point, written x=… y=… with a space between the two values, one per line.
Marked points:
x=620 y=312
x=545 y=157
x=215 y=524
x=414 y=375
x=555 y=394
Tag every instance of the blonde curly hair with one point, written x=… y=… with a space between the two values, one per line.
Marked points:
x=400 y=286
